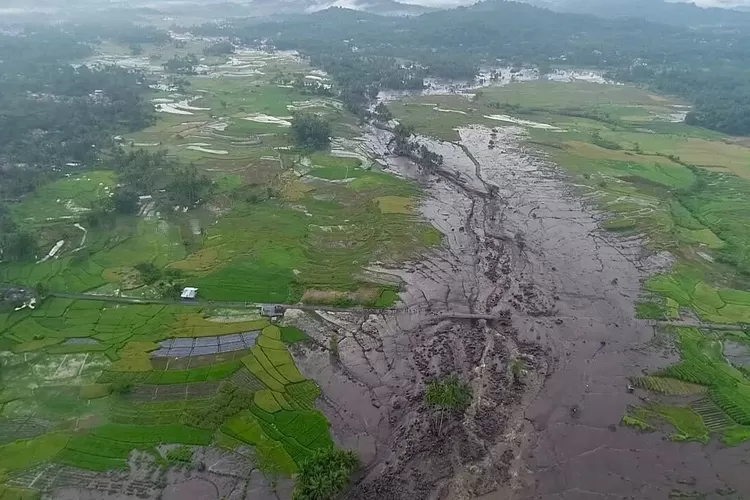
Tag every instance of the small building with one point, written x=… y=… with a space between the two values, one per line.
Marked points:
x=271 y=310
x=189 y=293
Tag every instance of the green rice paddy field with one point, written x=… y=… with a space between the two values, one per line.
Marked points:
x=685 y=188
x=81 y=388
x=282 y=226
x=82 y=383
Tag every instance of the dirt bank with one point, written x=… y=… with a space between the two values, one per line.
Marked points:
x=562 y=292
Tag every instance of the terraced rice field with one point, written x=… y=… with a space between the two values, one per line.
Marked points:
x=131 y=402
x=89 y=385
x=725 y=410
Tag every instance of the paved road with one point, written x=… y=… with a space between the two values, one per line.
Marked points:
x=202 y=303
x=254 y=305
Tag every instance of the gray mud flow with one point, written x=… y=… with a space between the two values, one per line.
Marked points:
x=558 y=295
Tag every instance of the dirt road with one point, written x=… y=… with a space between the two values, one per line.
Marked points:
x=533 y=256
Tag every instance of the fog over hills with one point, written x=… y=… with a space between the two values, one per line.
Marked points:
x=675 y=12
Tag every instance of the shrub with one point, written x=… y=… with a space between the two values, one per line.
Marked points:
x=122 y=386
x=180 y=454
x=325 y=474
x=150 y=274
x=448 y=394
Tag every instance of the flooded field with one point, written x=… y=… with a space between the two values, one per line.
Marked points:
x=527 y=259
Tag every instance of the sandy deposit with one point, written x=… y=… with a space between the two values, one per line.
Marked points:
x=56 y=248
x=208 y=150
x=186 y=105
x=263 y=118
x=172 y=109
x=518 y=121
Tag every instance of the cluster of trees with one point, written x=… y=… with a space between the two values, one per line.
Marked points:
x=140 y=173
x=721 y=96
x=167 y=281
x=403 y=145
x=381 y=113
x=366 y=52
x=310 y=131
x=219 y=49
x=182 y=65
x=169 y=182
x=16 y=243
x=58 y=117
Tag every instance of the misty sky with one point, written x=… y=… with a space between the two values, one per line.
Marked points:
x=702 y=3
x=439 y=3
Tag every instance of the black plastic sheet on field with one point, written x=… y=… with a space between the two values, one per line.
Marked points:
x=181 y=348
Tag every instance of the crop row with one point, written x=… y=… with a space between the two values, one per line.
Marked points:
x=108 y=447
x=670 y=386
x=689 y=371
x=715 y=419
x=734 y=403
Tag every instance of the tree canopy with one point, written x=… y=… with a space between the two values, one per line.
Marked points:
x=311 y=131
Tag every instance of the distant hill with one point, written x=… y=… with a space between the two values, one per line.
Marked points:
x=381 y=7
x=659 y=11
x=57 y=10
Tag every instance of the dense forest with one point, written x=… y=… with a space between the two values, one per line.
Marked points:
x=56 y=117
x=366 y=52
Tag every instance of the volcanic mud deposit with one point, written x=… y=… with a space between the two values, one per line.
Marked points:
x=525 y=274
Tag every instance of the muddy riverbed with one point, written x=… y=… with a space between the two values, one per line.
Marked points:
x=525 y=257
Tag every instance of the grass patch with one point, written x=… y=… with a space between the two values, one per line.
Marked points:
x=15 y=493
x=336 y=173
x=183 y=454
x=65 y=198
x=688 y=424
x=31 y=452
x=736 y=436
x=210 y=373
x=636 y=423
x=619 y=224
x=325 y=474
x=650 y=310
x=292 y=335
x=395 y=205
x=670 y=386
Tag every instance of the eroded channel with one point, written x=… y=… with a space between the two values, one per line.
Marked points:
x=525 y=273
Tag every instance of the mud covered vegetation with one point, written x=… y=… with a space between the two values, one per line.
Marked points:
x=448 y=396
x=448 y=429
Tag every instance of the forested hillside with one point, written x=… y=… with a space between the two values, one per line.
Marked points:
x=706 y=66
x=56 y=117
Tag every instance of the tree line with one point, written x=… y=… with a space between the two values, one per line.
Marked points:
x=366 y=52
x=56 y=118
x=167 y=182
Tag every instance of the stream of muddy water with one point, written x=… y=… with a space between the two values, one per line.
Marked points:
x=525 y=274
